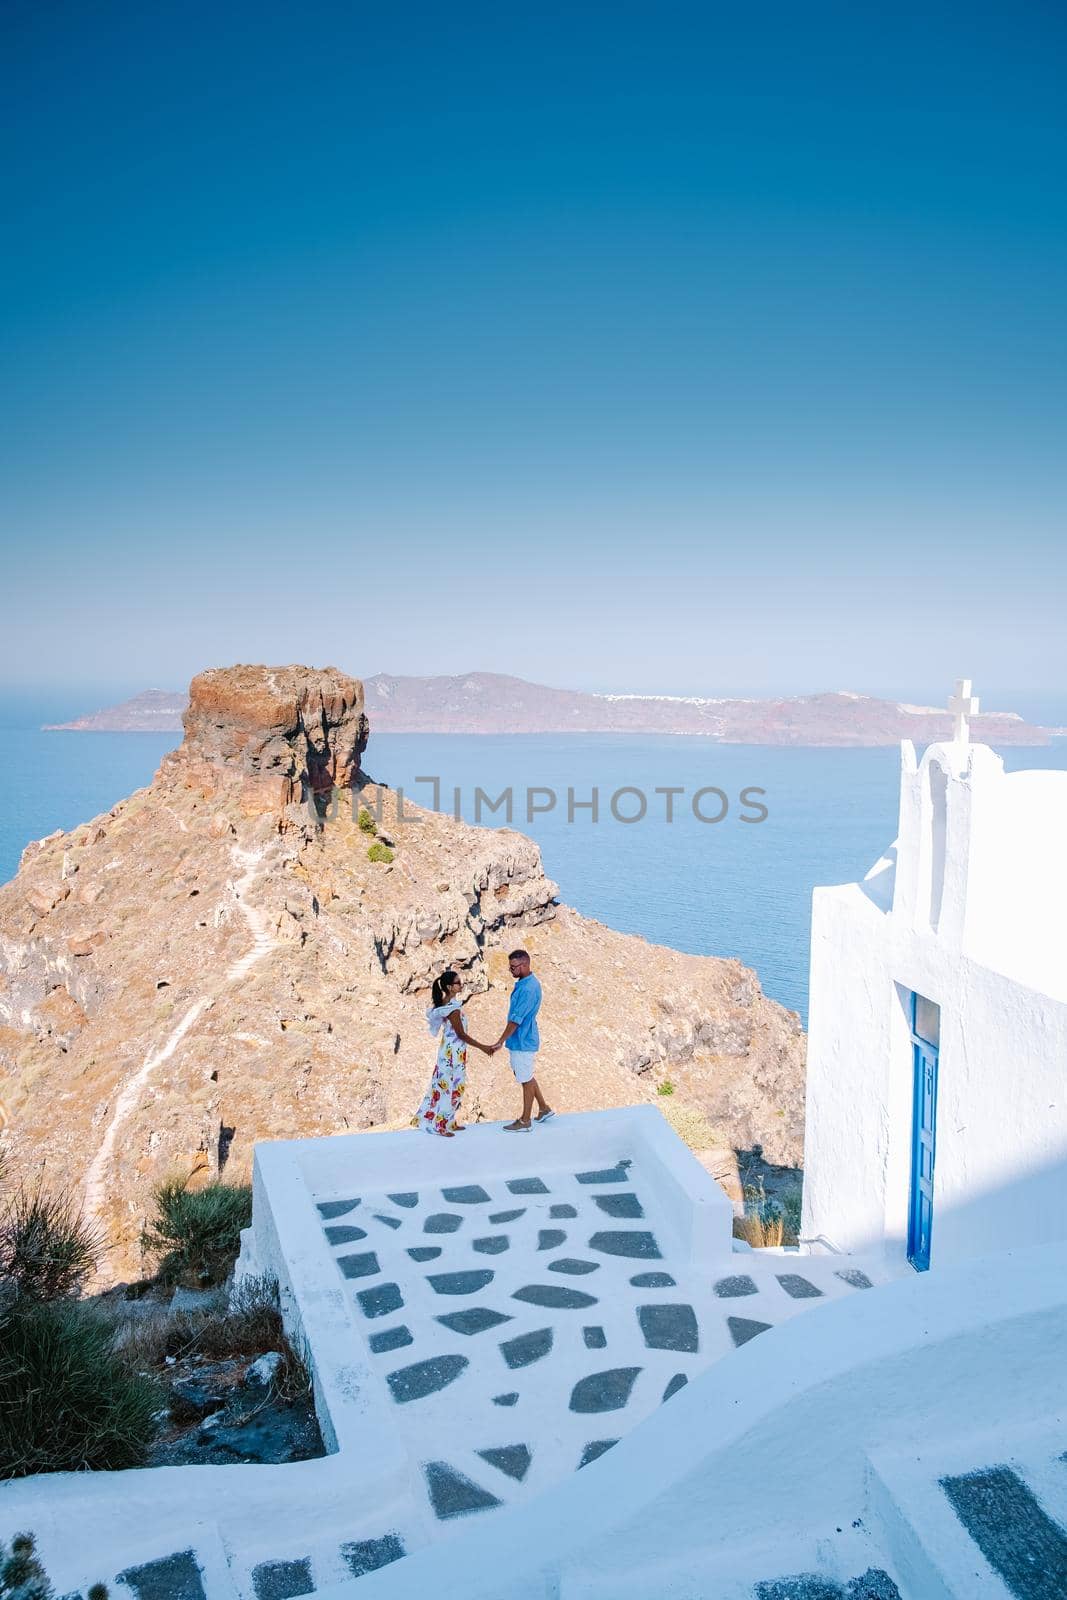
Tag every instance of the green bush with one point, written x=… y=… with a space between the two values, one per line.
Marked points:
x=23 y=1578
x=666 y=1087
x=379 y=852
x=47 y=1249
x=366 y=822
x=792 y=1204
x=21 y=1574
x=196 y=1233
x=67 y=1401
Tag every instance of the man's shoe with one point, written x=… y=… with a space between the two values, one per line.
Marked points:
x=518 y=1126
x=546 y=1116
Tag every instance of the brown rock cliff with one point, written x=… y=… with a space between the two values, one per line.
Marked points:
x=207 y=965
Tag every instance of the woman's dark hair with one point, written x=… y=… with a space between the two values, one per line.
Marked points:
x=442 y=985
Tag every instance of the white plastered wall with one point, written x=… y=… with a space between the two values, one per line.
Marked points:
x=932 y=922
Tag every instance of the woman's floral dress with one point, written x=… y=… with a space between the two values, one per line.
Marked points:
x=441 y=1102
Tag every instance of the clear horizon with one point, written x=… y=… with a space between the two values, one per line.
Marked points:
x=29 y=708
x=665 y=350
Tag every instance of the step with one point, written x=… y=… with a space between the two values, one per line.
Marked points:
x=317 y=1547
x=153 y=1568
x=980 y=1518
x=845 y=1563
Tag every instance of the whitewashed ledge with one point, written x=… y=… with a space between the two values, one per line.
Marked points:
x=482 y=1316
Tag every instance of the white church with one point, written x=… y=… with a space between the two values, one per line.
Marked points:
x=550 y=1372
x=937 y=1058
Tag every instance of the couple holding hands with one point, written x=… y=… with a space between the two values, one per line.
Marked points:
x=448 y=1024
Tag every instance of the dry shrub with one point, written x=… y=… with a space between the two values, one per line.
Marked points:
x=249 y=1326
x=47 y=1248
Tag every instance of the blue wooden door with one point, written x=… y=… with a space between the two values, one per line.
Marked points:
x=925 y=1048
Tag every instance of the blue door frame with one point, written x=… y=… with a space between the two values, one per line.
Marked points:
x=925 y=1043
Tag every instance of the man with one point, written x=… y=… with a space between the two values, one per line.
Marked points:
x=523 y=1041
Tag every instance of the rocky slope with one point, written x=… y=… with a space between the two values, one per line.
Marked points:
x=205 y=965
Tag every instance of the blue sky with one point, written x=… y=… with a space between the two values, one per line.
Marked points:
x=685 y=348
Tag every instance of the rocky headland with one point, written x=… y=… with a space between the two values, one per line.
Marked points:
x=210 y=963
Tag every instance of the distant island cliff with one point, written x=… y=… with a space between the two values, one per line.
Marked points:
x=489 y=702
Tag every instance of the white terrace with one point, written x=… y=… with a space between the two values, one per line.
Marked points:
x=483 y=1316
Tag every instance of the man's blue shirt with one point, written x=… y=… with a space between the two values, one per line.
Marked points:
x=523 y=1009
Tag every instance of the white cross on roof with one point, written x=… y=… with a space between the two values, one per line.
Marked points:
x=963 y=706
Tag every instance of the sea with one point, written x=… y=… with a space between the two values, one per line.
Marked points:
x=724 y=865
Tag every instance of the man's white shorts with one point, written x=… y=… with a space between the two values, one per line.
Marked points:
x=523 y=1064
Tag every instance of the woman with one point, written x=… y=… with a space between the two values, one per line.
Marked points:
x=440 y=1104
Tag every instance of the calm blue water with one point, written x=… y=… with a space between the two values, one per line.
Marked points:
x=725 y=888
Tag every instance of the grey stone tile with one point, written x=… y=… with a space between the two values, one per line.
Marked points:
x=442 y=1222
x=554 y=1296
x=742 y=1329
x=1025 y=1548
x=514 y=1459
x=425 y=1252
x=336 y=1208
x=604 y=1391
x=874 y=1584
x=679 y=1381
x=379 y=1301
x=454 y=1495
x=617 y=1174
x=670 y=1328
x=619 y=1205
x=854 y=1278
x=617 y=1243
x=282 y=1580
x=805 y=1586
x=467 y=1194
x=738 y=1284
x=459 y=1282
x=797 y=1287
x=176 y=1577
x=362 y=1266
x=527 y=1186
x=576 y=1268
x=562 y=1211
x=368 y=1555
x=653 y=1280
x=408 y=1200
x=594 y=1338
x=390 y=1339
x=494 y=1244
x=390 y=1222
x=527 y=1348
x=345 y=1234
x=425 y=1377
x=506 y=1399
x=473 y=1319
x=550 y=1238
x=498 y=1217
x=594 y=1449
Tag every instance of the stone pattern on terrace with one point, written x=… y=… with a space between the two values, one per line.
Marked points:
x=520 y=1326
